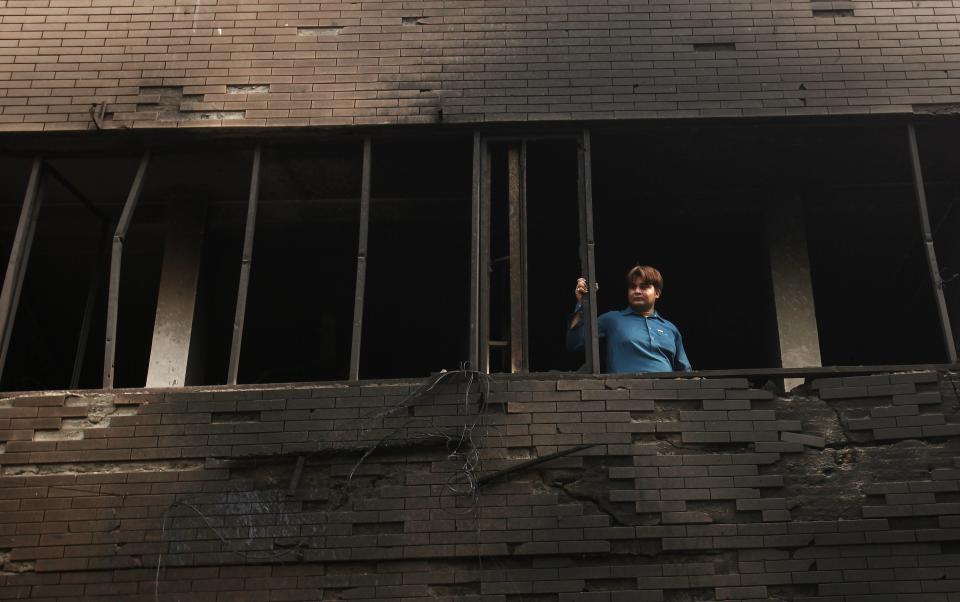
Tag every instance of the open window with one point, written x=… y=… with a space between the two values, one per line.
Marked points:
x=777 y=242
x=56 y=339
x=687 y=201
x=169 y=326
x=416 y=295
x=300 y=308
x=469 y=251
x=531 y=257
x=874 y=298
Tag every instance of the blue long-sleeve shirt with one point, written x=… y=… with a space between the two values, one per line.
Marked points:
x=636 y=343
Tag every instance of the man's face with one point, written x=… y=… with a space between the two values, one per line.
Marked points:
x=642 y=296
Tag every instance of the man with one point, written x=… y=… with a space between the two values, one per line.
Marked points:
x=636 y=339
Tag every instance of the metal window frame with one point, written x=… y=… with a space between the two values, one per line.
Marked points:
x=116 y=261
x=931 y=253
x=473 y=353
x=93 y=288
x=483 y=319
x=246 y=261
x=20 y=257
x=480 y=243
x=587 y=251
x=479 y=319
x=361 y=261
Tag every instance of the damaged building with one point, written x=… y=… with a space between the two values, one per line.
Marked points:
x=285 y=289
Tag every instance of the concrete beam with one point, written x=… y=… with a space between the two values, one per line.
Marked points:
x=799 y=341
x=176 y=300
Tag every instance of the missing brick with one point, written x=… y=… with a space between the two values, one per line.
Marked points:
x=168 y=100
x=412 y=20
x=249 y=89
x=326 y=31
x=7 y=566
x=715 y=47
x=833 y=12
x=99 y=410
x=95 y=467
x=948 y=108
x=214 y=115
x=164 y=99
x=76 y=435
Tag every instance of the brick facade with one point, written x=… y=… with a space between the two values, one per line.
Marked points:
x=692 y=489
x=87 y=64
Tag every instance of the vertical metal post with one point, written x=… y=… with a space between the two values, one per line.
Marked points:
x=483 y=328
x=116 y=259
x=361 y=263
x=515 y=219
x=19 y=257
x=473 y=355
x=523 y=250
x=587 y=254
x=931 y=252
x=246 y=260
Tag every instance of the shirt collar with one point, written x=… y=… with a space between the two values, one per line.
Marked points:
x=628 y=312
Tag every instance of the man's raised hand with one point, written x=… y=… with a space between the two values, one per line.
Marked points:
x=581 y=289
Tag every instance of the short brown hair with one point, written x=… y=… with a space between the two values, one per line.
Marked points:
x=646 y=275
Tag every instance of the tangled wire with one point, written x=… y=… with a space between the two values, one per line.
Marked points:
x=463 y=445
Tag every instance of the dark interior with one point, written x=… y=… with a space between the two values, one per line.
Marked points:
x=691 y=200
x=688 y=204
x=553 y=243
x=64 y=285
x=417 y=301
x=300 y=303
x=875 y=302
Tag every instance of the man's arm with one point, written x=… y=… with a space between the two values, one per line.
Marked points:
x=575 y=330
x=680 y=361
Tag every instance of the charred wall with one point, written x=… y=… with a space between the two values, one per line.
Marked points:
x=77 y=64
x=460 y=488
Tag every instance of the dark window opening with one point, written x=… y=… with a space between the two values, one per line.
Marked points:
x=300 y=307
x=416 y=305
x=875 y=303
x=553 y=251
x=182 y=196
x=687 y=202
x=545 y=197
x=499 y=334
x=223 y=189
x=58 y=332
x=705 y=204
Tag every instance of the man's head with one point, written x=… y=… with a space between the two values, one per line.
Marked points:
x=644 y=285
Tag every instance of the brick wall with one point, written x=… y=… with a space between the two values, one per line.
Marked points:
x=690 y=489
x=83 y=64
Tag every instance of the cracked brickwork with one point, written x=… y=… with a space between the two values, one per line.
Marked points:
x=85 y=64
x=683 y=489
